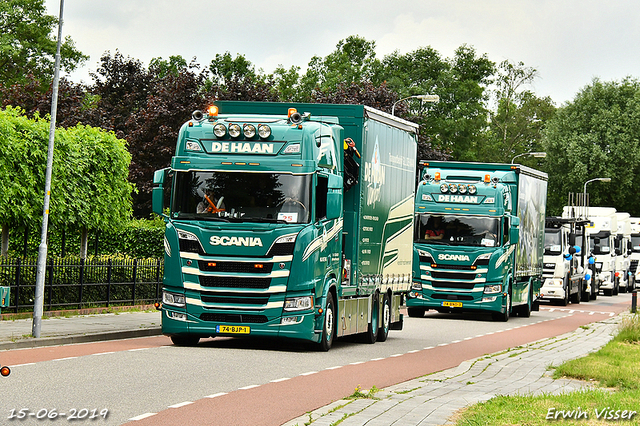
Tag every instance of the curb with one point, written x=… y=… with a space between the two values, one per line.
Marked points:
x=80 y=338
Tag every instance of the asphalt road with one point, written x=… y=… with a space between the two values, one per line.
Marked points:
x=244 y=381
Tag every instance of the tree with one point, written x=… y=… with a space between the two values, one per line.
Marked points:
x=454 y=127
x=152 y=131
x=518 y=117
x=353 y=61
x=121 y=86
x=596 y=135
x=89 y=189
x=28 y=45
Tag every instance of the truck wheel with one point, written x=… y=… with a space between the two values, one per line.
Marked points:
x=416 y=312
x=575 y=298
x=328 y=328
x=372 y=329
x=185 y=340
x=383 y=333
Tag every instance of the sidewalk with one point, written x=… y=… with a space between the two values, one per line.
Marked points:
x=434 y=399
x=16 y=334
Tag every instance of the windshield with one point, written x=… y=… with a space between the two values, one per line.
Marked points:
x=240 y=197
x=457 y=230
x=635 y=243
x=552 y=241
x=601 y=246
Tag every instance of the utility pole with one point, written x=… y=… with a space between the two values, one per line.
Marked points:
x=38 y=303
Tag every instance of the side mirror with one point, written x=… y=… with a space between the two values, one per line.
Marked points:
x=334 y=197
x=157 y=193
x=514 y=231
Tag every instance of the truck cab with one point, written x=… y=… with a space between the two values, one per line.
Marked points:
x=601 y=231
x=623 y=251
x=563 y=264
x=634 y=257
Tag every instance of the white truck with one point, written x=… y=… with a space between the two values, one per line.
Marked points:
x=622 y=246
x=600 y=231
x=634 y=258
x=563 y=274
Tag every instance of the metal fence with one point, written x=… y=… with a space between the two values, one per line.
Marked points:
x=82 y=283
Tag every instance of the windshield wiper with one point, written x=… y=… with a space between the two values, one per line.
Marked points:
x=255 y=219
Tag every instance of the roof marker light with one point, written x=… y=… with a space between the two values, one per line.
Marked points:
x=437 y=176
x=212 y=111
x=487 y=178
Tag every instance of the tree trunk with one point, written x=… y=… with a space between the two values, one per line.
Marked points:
x=84 y=243
x=5 y=241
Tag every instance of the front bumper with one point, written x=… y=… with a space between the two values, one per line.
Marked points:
x=456 y=299
x=176 y=321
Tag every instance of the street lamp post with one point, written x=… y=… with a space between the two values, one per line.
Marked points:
x=423 y=98
x=533 y=154
x=38 y=303
x=584 y=190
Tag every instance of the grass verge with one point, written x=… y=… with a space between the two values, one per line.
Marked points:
x=615 y=367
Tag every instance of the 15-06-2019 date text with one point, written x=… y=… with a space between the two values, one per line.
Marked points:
x=53 y=414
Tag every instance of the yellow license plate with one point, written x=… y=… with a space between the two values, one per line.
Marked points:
x=452 y=304
x=233 y=329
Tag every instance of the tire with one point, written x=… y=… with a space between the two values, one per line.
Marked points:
x=416 y=312
x=328 y=326
x=372 y=330
x=575 y=298
x=565 y=301
x=383 y=332
x=181 y=340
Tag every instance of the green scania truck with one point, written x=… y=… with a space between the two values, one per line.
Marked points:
x=287 y=220
x=479 y=239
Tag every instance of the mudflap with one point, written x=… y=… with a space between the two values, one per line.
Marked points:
x=397 y=325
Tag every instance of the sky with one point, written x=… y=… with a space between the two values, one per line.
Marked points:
x=569 y=42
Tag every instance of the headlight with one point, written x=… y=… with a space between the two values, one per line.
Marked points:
x=219 y=130
x=425 y=256
x=453 y=188
x=462 y=189
x=444 y=187
x=416 y=286
x=298 y=303
x=184 y=235
x=174 y=299
x=234 y=130
x=286 y=239
x=492 y=289
x=472 y=189
x=249 y=131
x=193 y=146
x=264 y=131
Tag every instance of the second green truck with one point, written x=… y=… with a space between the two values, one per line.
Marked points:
x=478 y=239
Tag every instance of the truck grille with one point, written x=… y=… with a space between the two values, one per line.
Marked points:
x=633 y=266
x=234 y=318
x=462 y=285
x=241 y=267
x=226 y=299
x=235 y=282
x=453 y=275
